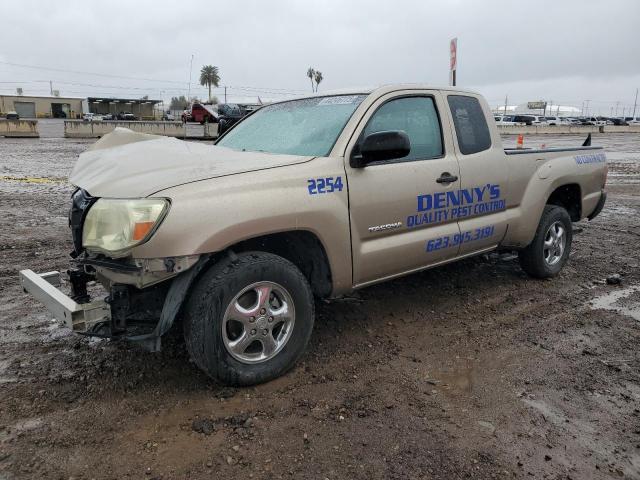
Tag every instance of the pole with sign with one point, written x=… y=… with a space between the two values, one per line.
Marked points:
x=453 y=61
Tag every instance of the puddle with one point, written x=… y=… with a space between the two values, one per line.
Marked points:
x=620 y=301
x=455 y=380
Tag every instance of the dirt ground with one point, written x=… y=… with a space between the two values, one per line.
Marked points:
x=472 y=370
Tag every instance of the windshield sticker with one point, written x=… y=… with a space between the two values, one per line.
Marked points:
x=447 y=206
x=340 y=100
x=592 y=158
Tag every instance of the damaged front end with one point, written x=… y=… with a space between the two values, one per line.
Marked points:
x=128 y=312
x=144 y=295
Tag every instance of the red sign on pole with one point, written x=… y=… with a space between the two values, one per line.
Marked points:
x=453 y=60
x=453 y=47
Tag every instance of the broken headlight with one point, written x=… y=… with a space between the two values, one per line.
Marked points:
x=113 y=226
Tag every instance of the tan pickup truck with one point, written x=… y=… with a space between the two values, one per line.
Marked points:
x=313 y=197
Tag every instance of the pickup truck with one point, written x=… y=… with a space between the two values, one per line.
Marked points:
x=307 y=198
x=200 y=113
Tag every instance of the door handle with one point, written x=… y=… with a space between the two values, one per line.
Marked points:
x=446 y=177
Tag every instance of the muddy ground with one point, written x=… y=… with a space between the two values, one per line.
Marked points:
x=472 y=370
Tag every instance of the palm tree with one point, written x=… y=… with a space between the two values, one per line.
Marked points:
x=311 y=73
x=209 y=76
x=318 y=79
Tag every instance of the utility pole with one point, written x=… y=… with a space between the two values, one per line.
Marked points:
x=586 y=102
x=635 y=103
x=506 y=100
x=51 y=87
x=190 y=70
x=617 y=103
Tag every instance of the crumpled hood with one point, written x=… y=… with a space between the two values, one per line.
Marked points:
x=126 y=164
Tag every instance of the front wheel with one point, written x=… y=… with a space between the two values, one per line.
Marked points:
x=545 y=256
x=249 y=319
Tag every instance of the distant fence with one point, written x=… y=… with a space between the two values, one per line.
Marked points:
x=83 y=129
x=565 y=129
x=19 y=128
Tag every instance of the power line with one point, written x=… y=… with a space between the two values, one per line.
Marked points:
x=88 y=73
x=258 y=89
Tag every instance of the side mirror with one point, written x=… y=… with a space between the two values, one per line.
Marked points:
x=379 y=146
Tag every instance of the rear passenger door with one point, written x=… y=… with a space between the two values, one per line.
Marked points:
x=484 y=174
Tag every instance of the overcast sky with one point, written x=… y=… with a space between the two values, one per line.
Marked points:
x=566 y=51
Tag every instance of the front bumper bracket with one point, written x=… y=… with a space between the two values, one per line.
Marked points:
x=80 y=317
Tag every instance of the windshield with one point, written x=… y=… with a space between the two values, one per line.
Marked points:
x=307 y=127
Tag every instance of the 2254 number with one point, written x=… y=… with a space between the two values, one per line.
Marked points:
x=324 y=185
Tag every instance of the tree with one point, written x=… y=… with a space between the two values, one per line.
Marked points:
x=318 y=77
x=311 y=73
x=179 y=103
x=209 y=76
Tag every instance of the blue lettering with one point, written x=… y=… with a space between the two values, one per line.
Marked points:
x=453 y=198
x=424 y=203
x=467 y=196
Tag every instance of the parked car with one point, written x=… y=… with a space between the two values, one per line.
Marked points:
x=92 y=117
x=127 y=116
x=595 y=121
x=168 y=117
x=229 y=115
x=304 y=199
x=574 y=121
x=557 y=121
x=506 y=120
x=12 y=116
x=109 y=116
x=617 y=121
x=632 y=120
x=525 y=119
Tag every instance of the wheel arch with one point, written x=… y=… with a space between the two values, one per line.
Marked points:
x=302 y=248
x=569 y=197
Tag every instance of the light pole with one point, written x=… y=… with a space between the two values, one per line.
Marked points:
x=190 y=70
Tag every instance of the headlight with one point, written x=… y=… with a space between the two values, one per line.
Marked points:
x=114 y=226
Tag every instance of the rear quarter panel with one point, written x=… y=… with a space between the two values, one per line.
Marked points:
x=535 y=176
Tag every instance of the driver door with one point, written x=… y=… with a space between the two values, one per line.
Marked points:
x=399 y=213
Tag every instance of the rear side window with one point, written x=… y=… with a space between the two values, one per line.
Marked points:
x=471 y=125
x=418 y=118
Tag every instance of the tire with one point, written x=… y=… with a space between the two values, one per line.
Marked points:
x=211 y=323
x=545 y=260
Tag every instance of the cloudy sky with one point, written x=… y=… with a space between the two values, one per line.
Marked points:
x=565 y=51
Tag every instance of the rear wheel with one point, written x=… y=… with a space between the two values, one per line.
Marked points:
x=545 y=256
x=248 y=320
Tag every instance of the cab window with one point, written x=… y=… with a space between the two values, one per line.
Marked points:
x=470 y=123
x=418 y=118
